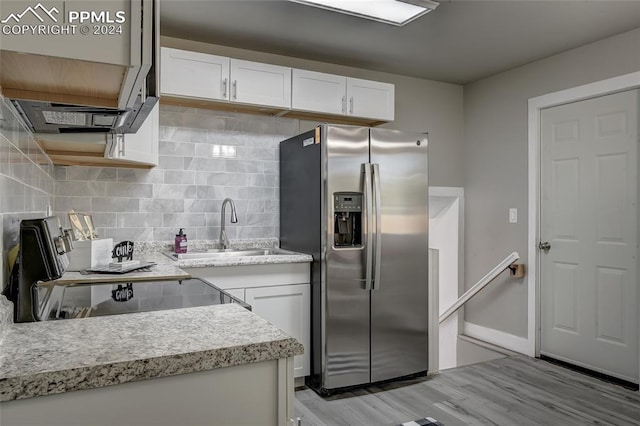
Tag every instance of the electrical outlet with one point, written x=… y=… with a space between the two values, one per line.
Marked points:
x=513 y=215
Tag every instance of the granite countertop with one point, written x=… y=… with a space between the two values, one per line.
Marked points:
x=244 y=260
x=164 y=268
x=52 y=357
x=204 y=245
x=169 y=268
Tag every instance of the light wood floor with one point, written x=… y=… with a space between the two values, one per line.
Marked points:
x=514 y=391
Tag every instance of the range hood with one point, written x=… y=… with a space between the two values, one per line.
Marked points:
x=85 y=83
x=49 y=117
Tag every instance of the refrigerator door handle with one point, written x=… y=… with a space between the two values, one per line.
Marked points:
x=376 y=284
x=368 y=205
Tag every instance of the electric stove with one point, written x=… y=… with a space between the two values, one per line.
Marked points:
x=67 y=301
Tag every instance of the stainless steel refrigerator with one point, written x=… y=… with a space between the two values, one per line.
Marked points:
x=356 y=199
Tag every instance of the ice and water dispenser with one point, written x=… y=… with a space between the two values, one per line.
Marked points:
x=347 y=219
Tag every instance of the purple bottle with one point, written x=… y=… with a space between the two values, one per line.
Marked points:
x=181 y=242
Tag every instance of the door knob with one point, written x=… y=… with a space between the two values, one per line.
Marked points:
x=544 y=246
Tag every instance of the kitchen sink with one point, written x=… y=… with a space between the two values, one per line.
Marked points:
x=224 y=254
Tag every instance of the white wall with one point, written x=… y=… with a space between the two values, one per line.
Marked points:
x=444 y=235
x=495 y=165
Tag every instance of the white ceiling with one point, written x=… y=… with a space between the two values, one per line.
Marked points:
x=460 y=42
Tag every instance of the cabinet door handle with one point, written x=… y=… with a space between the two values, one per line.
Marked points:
x=115 y=146
x=224 y=88
x=234 y=89
x=112 y=145
x=343 y=104
x=351 y=105
x=121 y=145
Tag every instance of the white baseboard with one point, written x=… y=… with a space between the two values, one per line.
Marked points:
x=498 y=338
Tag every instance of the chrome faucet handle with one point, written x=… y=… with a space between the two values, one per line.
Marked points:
x=224 y=240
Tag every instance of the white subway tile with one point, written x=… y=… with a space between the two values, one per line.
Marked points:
x=186 y=189
x=168 y=162
x=115 y=204
x=155 y=175
x=174 y=191
x=162 y=205
x=183 y=220
x=87 y=189
x=180 y=177
x=122 y=189
x=65 y=204
x=133 y=220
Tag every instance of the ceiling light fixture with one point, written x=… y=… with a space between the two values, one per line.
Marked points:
x=394 y=12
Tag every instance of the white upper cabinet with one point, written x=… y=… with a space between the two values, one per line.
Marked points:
x=254 y=86
x=318 y=92
x=334 y=94
x=371 y=99
x=260 y=84
x=142 y=147
x=194 y=75
x=209 y=77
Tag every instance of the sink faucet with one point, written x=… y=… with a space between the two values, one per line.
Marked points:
x=224 y=241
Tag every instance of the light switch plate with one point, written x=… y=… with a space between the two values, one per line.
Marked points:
x=513 y=215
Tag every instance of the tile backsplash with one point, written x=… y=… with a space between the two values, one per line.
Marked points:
x=26 y=180
x=205 y=157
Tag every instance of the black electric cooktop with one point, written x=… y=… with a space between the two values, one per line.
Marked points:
x=69 y=301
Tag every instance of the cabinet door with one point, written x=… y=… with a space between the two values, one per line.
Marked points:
x=193 y=74
x=318 y=92
x=288 y=308
x=142 y=147
x=370 y=99
x=260 y=84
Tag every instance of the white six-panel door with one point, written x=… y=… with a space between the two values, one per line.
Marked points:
x=589 y=217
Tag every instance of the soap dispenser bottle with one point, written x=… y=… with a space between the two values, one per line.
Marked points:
x=181 y=242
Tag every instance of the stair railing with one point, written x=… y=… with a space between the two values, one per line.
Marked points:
x=507 y=263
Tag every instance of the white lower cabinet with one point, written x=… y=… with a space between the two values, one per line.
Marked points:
x=259 y=393
x=286 y=307
x=279 y=293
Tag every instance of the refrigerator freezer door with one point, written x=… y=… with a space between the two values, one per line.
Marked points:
x=399 y=320
x=346 y=309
